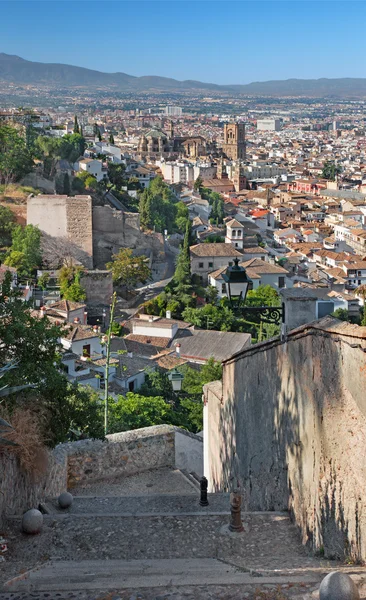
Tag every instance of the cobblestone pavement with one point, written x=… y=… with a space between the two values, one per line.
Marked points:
x=227 y=592
x=159 y=481
x=150 y=503
x=270 y=543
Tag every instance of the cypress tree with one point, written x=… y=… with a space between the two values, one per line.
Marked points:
x=182 y=275
x=67 y=187
x=76 y=125
x=111 y=139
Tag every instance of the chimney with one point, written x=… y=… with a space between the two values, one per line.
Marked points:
x=85 y=317
x=76 y=320
x=42 y=311
x=95 y=328
x=151 y=318
x=130 y=354
x=168 y=314
x=177 y=349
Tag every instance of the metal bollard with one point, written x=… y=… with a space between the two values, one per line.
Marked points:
x=203 y=488
x=235 y=510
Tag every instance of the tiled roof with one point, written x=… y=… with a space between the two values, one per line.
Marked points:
x=66 y=305
x=202 y=344
x=212 y=249
x=78 y=332
x=260 y=267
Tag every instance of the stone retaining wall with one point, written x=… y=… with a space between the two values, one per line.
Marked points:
x=73 y=463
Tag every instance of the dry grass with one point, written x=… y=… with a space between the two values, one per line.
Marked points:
x=30 y=451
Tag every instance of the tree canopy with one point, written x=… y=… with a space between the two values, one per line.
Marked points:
x=129 y=270
x=331 y=170
x=158 y=207
x=15 y=157
x=25 y=252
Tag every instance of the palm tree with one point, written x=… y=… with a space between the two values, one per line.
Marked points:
x=361 y=291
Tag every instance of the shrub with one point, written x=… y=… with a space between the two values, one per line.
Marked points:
x=29 y=442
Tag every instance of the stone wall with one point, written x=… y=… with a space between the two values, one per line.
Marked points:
x=74 y=463
x=19 y=491
x=123 y=454
x=114 y=229
x=290 y=429
x=98 y=286
x=66 y=219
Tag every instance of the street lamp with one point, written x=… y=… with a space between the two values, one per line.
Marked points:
x=237 y=284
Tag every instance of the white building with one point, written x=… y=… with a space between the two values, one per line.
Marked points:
x=268 y=124
x=173 y=111
x=177 y=172
x=234 y=233
x=92 y=166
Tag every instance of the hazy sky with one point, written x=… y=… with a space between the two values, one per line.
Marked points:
x=213 y=41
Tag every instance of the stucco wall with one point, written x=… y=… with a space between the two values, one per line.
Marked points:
x=291 y=430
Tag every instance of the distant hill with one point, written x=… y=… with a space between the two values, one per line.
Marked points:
x=14 y=69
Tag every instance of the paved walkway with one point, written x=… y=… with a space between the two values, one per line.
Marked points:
x=123 y=540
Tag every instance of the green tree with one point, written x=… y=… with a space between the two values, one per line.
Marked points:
x=7 y=224
x=341 y=314
x=99 y=135
x=111 y=139
x=157 y=383
x=43 y=281
x=135 y=411
x=69 y=281
x=209 y=316
x=15 y=158
x=26 y=241
x=76 y=125
x=95 y=129
x=182 y=274
x=194 y=380
x=157 y=207
x=129 y=270
x=198 y=184
x=117 y=175
x=182 y=216
x=331 y=170
x=67 y=187
x=264 y=295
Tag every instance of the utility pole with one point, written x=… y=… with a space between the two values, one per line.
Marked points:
x=108 y=357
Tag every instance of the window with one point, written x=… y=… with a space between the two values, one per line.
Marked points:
x=86 y=350
x=223 y=288
x=239 y=233
x=236 y=244
x=234 y=233
x=210 y=264
x=281 y=282
x=200 y=265
x=131 y=385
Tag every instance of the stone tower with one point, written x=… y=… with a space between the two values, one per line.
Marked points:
x=234 y=141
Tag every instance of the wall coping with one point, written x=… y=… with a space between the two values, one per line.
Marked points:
x=84 y=446
x=327 y=324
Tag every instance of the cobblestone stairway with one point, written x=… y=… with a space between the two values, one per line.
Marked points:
x=147 y=538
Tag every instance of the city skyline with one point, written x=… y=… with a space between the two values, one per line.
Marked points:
x=218 y=42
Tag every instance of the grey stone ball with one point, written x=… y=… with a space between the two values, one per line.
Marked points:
x=32 y=521
x=338 y=586
x=65 y=500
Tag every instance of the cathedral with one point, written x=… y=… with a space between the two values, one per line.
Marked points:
x=157 y=143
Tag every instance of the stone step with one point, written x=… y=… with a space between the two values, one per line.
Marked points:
x=269 y=543
x=142 y=505
x=120 y=574
x=163 y=481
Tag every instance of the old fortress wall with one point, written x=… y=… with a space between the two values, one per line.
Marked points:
x=288 y=426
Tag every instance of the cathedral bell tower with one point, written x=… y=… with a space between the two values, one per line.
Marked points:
x=234 y=146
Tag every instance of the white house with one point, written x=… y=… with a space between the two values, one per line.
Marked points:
x=92 y=166
x=258 y=271
x=234 y=233
x=82 y=340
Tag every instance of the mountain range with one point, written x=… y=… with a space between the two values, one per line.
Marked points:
x=14 y=69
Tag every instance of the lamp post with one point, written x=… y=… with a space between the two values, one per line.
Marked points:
x=237 y=285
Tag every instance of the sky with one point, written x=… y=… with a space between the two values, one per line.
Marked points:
x=220 y=41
